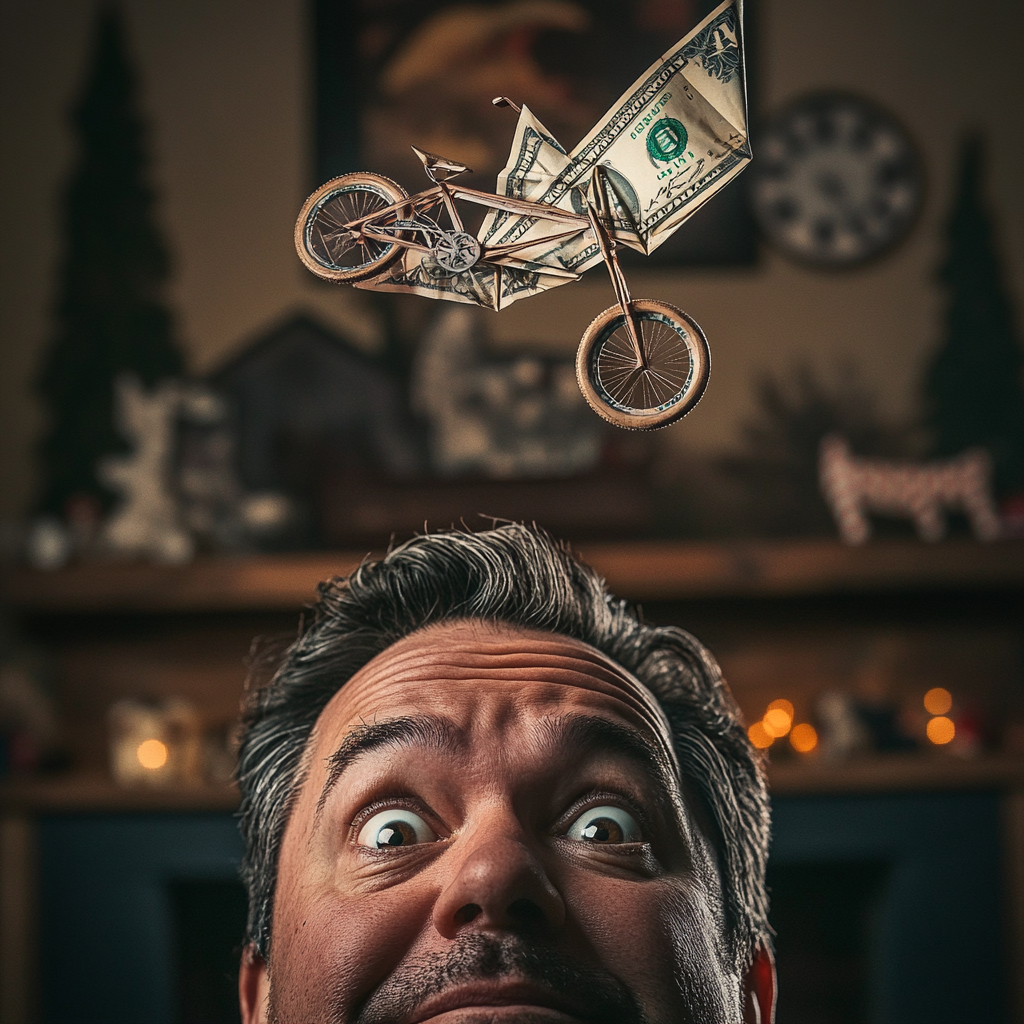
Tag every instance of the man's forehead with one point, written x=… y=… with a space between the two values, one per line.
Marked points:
x=456 y=667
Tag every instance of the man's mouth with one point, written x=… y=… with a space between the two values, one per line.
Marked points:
x=482 y=979
x=499 y=1000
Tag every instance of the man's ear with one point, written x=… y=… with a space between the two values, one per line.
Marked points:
x=253 y=987
x=759 y=989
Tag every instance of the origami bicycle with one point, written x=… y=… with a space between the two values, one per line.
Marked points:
x=633 y=180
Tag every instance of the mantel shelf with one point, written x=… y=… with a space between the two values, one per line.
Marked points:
x=878 y=774
x=63 y=794
x=890 y=773
x=640 y=571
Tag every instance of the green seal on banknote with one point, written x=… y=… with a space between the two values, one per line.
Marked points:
x=666 y=139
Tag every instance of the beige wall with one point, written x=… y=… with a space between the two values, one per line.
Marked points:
x=225 y=86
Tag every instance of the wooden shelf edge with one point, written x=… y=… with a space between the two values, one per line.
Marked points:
x=884 y=774
x=639 y=571
x=253 y=583
x=99 y=794
x=667 y=571
x=896 y=773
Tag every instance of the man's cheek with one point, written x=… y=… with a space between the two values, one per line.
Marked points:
x=337 y=951
x=659 y=939
x=706 y=985
x=630 y=927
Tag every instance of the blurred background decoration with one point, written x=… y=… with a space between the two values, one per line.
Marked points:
x=30 y=727
x=839 y=180
x=155 y=744
x=111 y=315
x=194 y=432
x=924 y=493
x=973 y=392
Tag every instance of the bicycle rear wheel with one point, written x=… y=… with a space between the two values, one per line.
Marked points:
x=643 y=398
x=326 y=246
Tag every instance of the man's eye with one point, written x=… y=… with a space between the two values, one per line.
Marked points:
x=605 y=825
x=395 y=828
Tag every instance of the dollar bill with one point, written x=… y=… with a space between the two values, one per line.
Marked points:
x=665 y=147
x=485 y=284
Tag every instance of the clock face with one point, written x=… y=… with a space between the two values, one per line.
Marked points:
x=836 y=180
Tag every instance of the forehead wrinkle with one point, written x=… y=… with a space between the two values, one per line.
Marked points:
x=500 y=663
x=566 y=672
x=414 y=665
x=632 y=697
x=471 y=650
x=467 y=645
x=506 y=642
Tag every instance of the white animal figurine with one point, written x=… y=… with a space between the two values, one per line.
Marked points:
x=146 y=522
x=923 y=492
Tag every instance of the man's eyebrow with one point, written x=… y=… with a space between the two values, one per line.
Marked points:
x=423 y=730
x=596 y=733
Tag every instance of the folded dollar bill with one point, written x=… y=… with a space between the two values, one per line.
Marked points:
x=664 y=148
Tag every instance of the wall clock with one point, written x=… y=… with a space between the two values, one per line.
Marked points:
x=836 y=180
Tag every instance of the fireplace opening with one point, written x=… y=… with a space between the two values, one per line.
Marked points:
x=825 y=917
x=208 y=922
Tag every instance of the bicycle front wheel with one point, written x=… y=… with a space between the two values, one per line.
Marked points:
x=635 y=397
x=326 y=246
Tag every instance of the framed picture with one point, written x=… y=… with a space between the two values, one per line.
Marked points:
x=390 y=74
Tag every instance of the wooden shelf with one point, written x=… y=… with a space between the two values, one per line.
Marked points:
x=896 y=773
x=670 y=571
x=254 y=583
x=888 y=774
x=99 y=793
x=640 y=571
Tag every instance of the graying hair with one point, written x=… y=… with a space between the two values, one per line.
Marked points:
x=518 y=576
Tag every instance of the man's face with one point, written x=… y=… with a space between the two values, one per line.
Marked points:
x=490 y=830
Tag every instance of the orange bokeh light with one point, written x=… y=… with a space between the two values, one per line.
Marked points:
x=783 y=705
x=152 y=754
x=938 y=701
x=941 y=730
x=804 y=738
x=759 y=736
x=777 y=722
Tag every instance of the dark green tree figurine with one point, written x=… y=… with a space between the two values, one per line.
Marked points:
x=110 y=311
x=974 y=390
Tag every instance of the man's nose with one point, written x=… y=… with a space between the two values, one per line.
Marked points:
x=499 y=885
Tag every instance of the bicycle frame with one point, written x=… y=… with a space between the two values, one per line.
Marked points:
x=372 y=227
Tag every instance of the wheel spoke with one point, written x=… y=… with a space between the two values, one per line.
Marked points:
x=620 y=359
x=668 y=369
x=669 y=382
x=337 y=246
x=669 y=387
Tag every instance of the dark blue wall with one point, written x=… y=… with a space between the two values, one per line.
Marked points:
x=107 y=944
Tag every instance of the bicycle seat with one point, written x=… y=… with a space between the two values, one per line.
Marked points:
x=440 y=168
